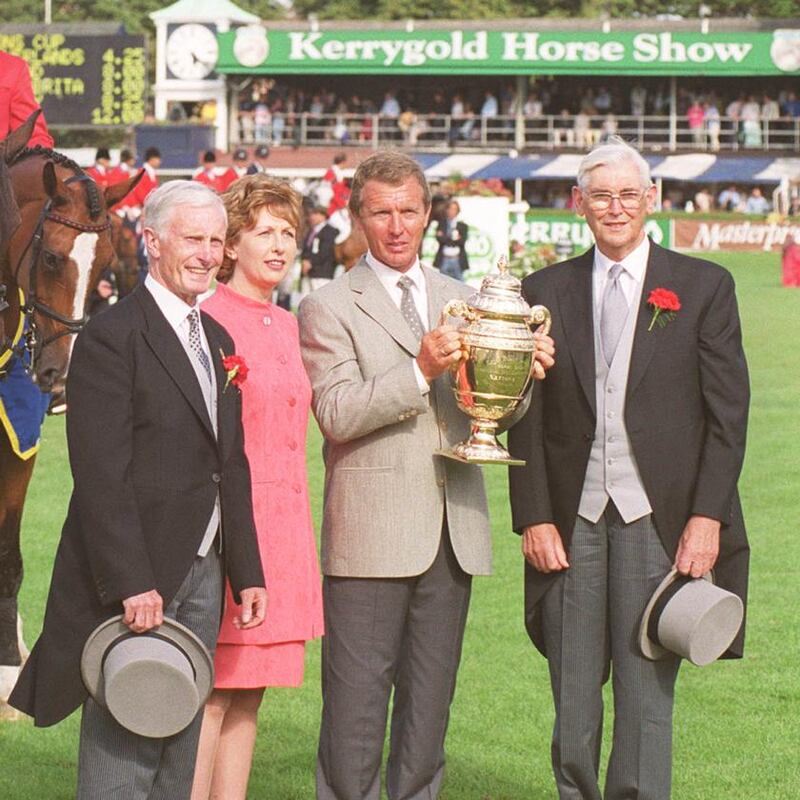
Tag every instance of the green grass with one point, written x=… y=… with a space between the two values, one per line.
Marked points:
x=737 y=724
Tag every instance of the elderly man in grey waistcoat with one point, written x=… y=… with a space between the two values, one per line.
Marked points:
x=634 y=446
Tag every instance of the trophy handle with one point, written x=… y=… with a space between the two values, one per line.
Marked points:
x=540 y=316
x=458 y=308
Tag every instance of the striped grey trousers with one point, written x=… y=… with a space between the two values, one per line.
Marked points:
x=115 y=763
x=591 y=621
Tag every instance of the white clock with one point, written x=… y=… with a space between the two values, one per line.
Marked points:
x=250 y=46
x=192 y=51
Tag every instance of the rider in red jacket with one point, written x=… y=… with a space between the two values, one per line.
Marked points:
x=17 y=102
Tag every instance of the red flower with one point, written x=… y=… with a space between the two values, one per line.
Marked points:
x=665 y=303
x=664 y=299
x=235 y=368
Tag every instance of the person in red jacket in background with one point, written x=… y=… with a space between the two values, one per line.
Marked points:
x=17 y=102
x=102 y=173
x=208 y=174
x=149 y=181
x=339 y=188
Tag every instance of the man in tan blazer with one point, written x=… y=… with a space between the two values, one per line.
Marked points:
x=403 y=530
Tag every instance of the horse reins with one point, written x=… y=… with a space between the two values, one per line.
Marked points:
x=34 y=305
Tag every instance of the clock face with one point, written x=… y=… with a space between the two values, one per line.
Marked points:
x=192 y=51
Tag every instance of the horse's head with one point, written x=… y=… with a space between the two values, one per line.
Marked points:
x=57 y=253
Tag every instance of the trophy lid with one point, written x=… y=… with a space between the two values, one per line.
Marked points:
x=500 y=294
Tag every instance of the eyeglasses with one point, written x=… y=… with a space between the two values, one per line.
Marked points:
x=629 y=199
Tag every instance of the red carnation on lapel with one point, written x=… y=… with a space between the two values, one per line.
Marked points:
x=665 y=303
x=236 y=369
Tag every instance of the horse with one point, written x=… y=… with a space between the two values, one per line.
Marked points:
x=54 y=243
x=126 y=246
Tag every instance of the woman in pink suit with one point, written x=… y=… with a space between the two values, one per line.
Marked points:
x=260 y=247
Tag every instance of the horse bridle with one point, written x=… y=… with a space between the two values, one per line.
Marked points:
x=34 y=306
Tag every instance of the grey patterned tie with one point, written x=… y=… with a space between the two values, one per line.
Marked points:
x=408 y=308
x=613 y=313
x=196 y=344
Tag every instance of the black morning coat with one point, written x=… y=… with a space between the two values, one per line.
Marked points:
x=685 y=411
x=146 y=468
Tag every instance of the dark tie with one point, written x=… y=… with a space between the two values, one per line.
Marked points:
x=613 y=313
x=196 y=344
x=408 y=308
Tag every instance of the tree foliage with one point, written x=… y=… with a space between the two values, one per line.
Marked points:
x=134 y=13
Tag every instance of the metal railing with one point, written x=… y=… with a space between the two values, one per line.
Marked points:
x=547 y=132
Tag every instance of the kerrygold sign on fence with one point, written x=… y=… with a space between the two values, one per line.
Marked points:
x=259 y=50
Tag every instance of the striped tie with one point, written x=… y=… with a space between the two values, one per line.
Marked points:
x=196 y=344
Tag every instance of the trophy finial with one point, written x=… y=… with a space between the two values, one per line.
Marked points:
x=502 y=264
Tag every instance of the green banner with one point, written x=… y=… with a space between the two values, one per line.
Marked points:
x=540 y=228
x=258 y=50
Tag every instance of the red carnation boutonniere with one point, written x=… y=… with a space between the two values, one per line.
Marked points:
x=235 y=370
x=665 y=303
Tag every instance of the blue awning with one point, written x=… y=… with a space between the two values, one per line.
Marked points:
x=692 y=167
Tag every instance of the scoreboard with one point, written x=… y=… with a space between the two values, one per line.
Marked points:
x=83 y=79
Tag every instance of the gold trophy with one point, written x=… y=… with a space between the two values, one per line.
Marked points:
x=491 y=381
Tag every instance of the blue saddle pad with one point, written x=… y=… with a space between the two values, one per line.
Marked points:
x=22 y=408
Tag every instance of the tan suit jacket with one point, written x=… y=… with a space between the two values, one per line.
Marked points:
x=386 y=492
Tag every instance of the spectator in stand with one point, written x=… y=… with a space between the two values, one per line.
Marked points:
x=638 y=100
x=712 y=124
x=751 y=123
x=770 y=110
x=703 y=200
x=756 y=203
x=261 y=120
x=390 y=107
x=240 y=160
x=17 y=102
x=261 y=157
x=278 y=122
x=490 y=107
x=318 y=258
x=533 y=106
x=602 y=101
x=729 y=199
x=562 y=129
x=695 y=116
x=609 y=127
x=791 y=107
x=101 y=172
x=583 y=128
x=734 y=113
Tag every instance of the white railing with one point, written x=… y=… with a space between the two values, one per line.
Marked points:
x=553 y=132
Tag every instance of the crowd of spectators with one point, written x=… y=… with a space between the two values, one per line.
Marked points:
x=271 y=111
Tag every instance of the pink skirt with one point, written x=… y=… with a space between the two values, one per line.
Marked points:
x=254 y=666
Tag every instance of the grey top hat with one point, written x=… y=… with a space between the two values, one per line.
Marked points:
x=153 y=683
x=690 y=617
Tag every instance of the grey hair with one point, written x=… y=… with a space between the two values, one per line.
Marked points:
x=613 y=152
x=163 y=201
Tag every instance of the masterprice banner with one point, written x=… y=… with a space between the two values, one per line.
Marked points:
x=260 y=50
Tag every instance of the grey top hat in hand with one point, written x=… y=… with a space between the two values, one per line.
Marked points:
x=691 y=618
x=153 y=683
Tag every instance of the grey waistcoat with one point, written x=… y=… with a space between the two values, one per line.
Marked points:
x=612 y=471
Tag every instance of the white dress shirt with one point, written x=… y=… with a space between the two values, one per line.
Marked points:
x=419 y=294
x=634 y=266
x=177 y=313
